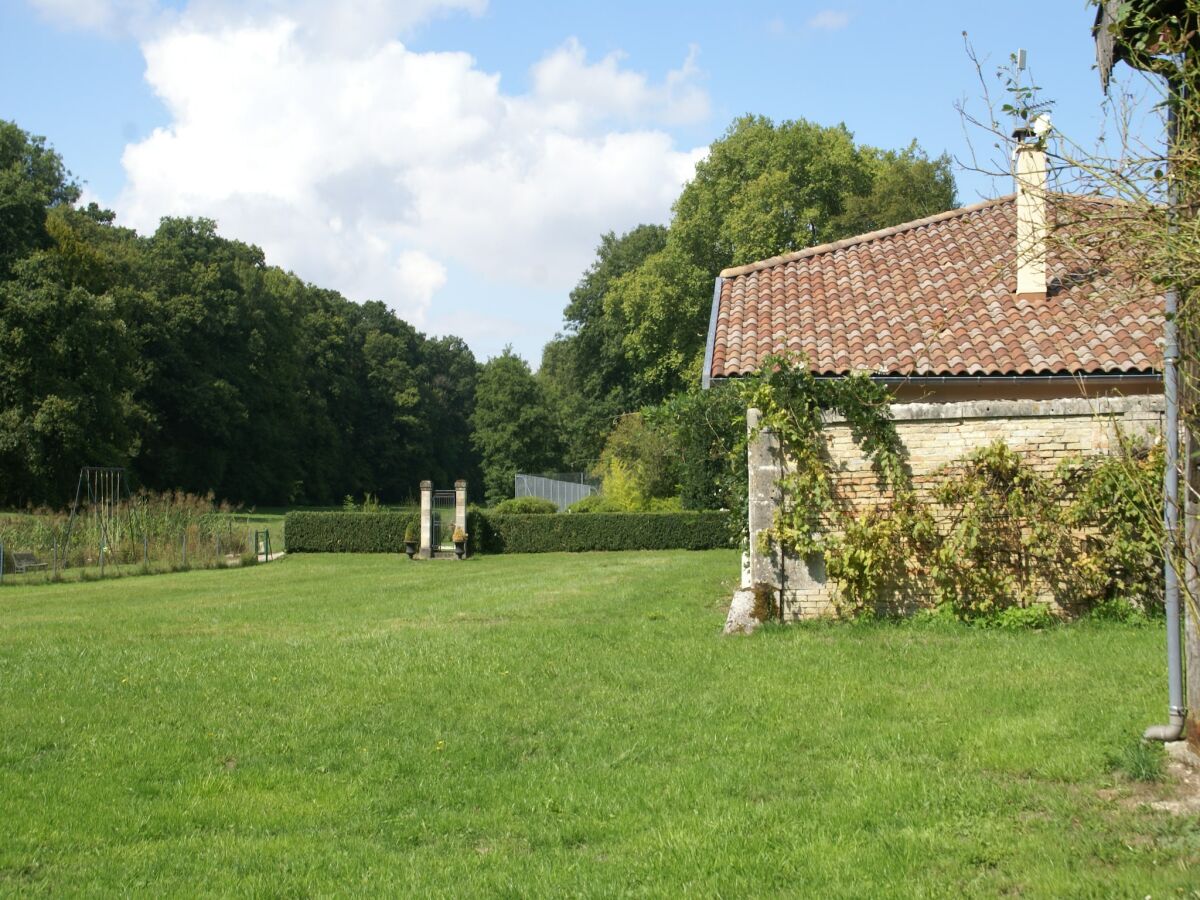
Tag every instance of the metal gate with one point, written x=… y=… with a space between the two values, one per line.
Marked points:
x=443 y=520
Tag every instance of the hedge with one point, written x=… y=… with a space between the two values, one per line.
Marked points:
x=347 y=532
x=492 y=532
x=510 y=533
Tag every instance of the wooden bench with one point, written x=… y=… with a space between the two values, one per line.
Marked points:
x=26 y=562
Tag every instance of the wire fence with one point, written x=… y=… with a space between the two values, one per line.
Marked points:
x=148 y=534
x=561 y=488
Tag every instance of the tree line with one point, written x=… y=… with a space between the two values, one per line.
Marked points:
x=636 y=324
x=185 y=357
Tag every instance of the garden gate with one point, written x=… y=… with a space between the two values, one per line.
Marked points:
x=443 y=520
x=441 y=513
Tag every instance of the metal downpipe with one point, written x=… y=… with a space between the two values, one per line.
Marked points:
x=1176 y=712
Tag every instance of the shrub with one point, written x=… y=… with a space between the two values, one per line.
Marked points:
x=492 y=532
x=594 y=503
x=1000 y=538
x=410 y=533
x=697 y=530
x=877 y=560
x=526 y=506
x=1007 y=538
x=1119 y=503
x=346 y=532
x=639 y=462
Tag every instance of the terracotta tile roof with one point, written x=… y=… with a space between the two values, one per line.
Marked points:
x=934 y=297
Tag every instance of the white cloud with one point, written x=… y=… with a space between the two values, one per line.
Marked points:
x=379 y=170
x=338 y=24
x=579 y=91
x=106 y=16
x=830 y=20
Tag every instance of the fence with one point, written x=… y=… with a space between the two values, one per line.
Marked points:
x=561 y=488
x=41 y=548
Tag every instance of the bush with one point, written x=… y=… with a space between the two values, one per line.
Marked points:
x=594 y=503
x=526 y=506
x=999 y=538
x=501 y=533
x=346 y=532
x=493 y=532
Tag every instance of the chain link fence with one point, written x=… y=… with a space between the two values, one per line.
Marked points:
x=561 y=488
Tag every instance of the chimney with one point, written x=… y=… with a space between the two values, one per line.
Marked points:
x=1032 y=229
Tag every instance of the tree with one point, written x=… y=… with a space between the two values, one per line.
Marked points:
x=1163 y=37
x=32 y=180
x=585 y=370
x=905 y=185
x=187 y=358
x=513 y=428
x=762 y=190
x=68 y=382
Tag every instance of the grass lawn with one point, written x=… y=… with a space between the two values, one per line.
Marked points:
x=558 y=724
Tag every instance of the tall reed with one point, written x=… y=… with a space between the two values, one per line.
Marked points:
x=150 y=531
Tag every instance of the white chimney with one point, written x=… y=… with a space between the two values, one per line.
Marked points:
x=1032 y=229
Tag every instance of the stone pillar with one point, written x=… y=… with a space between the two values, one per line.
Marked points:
x=763 y=471
x=788 y=577
x=460 y=505
x=426 y=551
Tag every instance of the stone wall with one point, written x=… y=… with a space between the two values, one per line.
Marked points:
x=934 y=434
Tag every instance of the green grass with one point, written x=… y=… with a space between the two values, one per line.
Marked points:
x=558 y=724
x=1140 y=760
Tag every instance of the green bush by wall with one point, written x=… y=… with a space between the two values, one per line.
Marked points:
x=492 y=532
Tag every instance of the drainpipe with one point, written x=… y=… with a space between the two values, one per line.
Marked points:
x=1176 y=712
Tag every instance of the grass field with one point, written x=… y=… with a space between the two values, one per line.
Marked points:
x=558 y=724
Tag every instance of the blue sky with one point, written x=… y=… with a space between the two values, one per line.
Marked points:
x=458 y=159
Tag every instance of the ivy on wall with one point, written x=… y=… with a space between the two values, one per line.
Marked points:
x=989 y=537
x=793 y=404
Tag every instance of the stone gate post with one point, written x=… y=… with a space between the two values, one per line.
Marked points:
x=460 y=505
x=426 y=551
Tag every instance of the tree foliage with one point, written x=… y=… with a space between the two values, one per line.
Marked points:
x=185 y=357
x=513 y=430
x=637 y=323
x=587 y=377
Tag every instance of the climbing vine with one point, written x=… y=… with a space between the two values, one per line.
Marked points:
x=793 y=404
x=985 y=538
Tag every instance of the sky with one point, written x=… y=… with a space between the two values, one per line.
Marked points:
x=459 y=159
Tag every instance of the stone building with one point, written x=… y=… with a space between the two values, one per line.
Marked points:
x=982 y=321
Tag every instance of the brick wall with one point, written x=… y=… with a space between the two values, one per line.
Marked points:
x=933 y=434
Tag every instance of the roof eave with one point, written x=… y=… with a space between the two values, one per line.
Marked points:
x=710 y=344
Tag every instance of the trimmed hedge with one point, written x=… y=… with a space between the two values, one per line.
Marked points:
x=530 y=505
x=347 y=532
x=492 y=532
x=694 y=530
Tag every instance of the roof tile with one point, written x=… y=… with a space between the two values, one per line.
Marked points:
x=935 y=297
